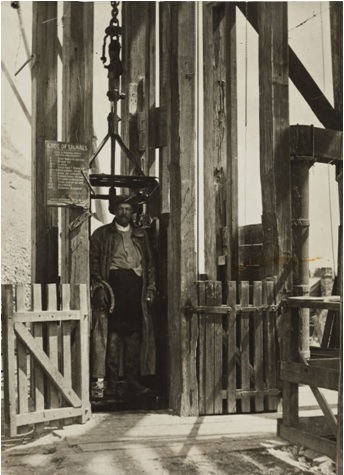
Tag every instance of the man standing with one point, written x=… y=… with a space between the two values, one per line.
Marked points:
x=123 y=285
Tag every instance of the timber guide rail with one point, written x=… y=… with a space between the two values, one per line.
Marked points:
x=317 y=433
x=45 y=356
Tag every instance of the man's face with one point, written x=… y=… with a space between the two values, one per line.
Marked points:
x=124 y=213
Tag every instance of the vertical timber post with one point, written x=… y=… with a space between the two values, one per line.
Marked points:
x=275 y=167
x=77 y=127
x=300 y=237
x=220 y=140
x=44 y=250
x=274 y=140
x=336 y=20
x=232 y=210
x=181 y=235
x=164 y=180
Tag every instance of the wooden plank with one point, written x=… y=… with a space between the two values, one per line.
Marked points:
x=290 y=351
x=8 y=359
x=245 y=347
x=23 y=403
x=210 y=350
x=305 y=439
x=223 y=309
x=312 y=302
x=150 y=87
x=301 y=78
x=48 y=415
x=53 y=374
x=311 y=375
x=165 y=100
x=217 y=387
x=37 y=332
x=77 y=127
x=213 y=67
x=270 y=345
x=202 y=348
x=330 y=363
x=52 y=342
x=232 y=349
x=324 y=406
x=66 y=336
x=44 y=220
x=258 y=355
x=82 y=350
x=181 y=240
x=274 y=142
x=46 y=316
x=66 y=344
x=135 y=53
x=300 y=235
x=232 y=206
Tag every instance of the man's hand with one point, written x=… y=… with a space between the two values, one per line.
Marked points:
x=100 y=298
x=150 y=297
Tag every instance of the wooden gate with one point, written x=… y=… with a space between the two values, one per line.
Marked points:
x=237 y=350
x=45 y=354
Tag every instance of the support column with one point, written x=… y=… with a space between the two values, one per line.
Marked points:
x=336 y=19
x=274 y=141
x=77 y=127
x=300 y=236
x=220 y=142
x=276 y=175
x=44 y=227
x=181 y=233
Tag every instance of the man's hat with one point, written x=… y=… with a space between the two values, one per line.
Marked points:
x=115 y=200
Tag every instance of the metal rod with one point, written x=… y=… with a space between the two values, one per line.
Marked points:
x=105 y=139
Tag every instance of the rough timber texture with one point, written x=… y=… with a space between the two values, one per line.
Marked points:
x=220 y=139
x=181 y=245
x=44 y=257
x=77 y=126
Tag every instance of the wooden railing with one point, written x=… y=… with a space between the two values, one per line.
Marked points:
x=317 y=433
x=45 y=355
x=238 y=348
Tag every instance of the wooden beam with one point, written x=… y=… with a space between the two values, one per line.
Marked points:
x=220 y=140
x=138 y=82
x=274 y=142
x=301 y=78
x=165 y=101
x=213 y=147
x=336 y=23
x=44 y=220
x=77 y=127
x=300 y=238
x=232 y=207
x=181 y=238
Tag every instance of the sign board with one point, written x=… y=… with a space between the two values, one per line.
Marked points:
x=66 y=185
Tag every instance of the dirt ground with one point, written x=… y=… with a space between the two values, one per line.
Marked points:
x=162 y=443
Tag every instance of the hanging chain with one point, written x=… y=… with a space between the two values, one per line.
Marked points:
x=113 y=31
x=114 y=13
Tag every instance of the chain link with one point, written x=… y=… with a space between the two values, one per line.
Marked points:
x=114 y=13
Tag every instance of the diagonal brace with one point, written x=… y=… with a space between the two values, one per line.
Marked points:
x=43 y=359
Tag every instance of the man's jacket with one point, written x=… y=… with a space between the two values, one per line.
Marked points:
x=104 y=241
